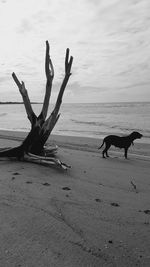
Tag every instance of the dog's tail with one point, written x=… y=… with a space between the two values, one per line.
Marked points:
x=101 y=145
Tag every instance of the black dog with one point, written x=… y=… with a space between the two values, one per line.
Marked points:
x=121 y=142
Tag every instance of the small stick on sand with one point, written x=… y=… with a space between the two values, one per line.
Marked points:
x=134 y=186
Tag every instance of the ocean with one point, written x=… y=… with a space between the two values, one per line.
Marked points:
x=88 y=120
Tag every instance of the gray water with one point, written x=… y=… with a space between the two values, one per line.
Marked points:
x=89 y=120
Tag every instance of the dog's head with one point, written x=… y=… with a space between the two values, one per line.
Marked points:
x=136 y=135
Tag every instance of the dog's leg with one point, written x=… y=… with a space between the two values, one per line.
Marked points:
x=105 y=150
x=103 y=154
x=107 y=154
x=125 y=152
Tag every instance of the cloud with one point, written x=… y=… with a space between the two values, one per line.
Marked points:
x=25 y=26
x=3 y=79
x=109 y=40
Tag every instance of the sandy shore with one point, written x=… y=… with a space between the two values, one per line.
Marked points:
x=95 y=214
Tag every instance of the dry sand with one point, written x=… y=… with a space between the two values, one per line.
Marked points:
x=95 y=214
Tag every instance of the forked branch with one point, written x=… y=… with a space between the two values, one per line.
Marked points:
x=51 y=121
x=54 y=115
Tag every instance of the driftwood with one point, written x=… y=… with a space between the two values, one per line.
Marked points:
x=33 y=148
x=134 y=187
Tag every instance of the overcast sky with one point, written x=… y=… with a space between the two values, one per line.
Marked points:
x=109 y=40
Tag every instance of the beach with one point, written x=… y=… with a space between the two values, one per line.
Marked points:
x=97 y=213
x=74 y=82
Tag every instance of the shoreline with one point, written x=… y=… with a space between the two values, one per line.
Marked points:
x=89 y=144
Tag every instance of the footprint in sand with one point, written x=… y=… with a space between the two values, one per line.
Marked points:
x=147 y=212
x=66 y=188
x=28 y=182
x=114 y=204
x=46 y=184
x=98 y=200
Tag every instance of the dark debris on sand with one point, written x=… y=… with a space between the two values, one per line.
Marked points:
x=66 y=188
x=114 y=204
x=46 y=184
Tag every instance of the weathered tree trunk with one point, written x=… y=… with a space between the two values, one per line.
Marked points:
x=33 y=147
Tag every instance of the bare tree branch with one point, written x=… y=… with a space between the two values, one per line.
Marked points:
x=53 y=118
x=49 y=71
x=68 y=64
x=47 y=161
x=24 y=93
